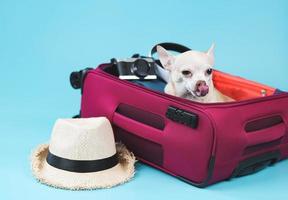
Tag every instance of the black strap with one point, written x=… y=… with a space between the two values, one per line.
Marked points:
x=170 y=47
x=81 y=166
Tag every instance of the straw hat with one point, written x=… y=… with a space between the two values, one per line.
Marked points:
x=82 y=155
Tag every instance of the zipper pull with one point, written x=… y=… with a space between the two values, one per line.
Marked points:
x=263 y=93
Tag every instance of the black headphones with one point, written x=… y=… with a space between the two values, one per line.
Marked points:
x=170 y=47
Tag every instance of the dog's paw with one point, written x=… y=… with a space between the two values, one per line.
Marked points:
x=169 y=89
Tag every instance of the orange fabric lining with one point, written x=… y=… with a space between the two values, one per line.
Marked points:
x=239 y=88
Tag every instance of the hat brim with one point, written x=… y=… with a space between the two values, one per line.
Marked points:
x=58 y=178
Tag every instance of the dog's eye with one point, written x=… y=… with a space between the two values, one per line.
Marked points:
x=186 y=73
x=209 y=71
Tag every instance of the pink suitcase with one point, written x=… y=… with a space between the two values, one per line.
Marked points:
x=198 y=143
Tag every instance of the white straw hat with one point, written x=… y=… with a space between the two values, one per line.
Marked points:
x=82 y=155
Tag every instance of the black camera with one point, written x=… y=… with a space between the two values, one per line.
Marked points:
x=136 y=68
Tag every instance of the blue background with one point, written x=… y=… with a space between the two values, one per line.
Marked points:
x=41 y=42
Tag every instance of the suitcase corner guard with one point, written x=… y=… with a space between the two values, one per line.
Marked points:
x=256 y=163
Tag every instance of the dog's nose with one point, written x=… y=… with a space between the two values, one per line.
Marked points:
x=200 y=83
x=201 y=88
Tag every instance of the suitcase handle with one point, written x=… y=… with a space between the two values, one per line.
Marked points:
x=136 y=127
x=266 y=135
x=256 y=163
x=265 y=130
x=145 y=117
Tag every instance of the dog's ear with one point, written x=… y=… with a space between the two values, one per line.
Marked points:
x=210 y=54
x=165 y=58
x=210 y=51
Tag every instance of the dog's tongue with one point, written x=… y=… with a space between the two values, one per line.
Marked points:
x=203 y=89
